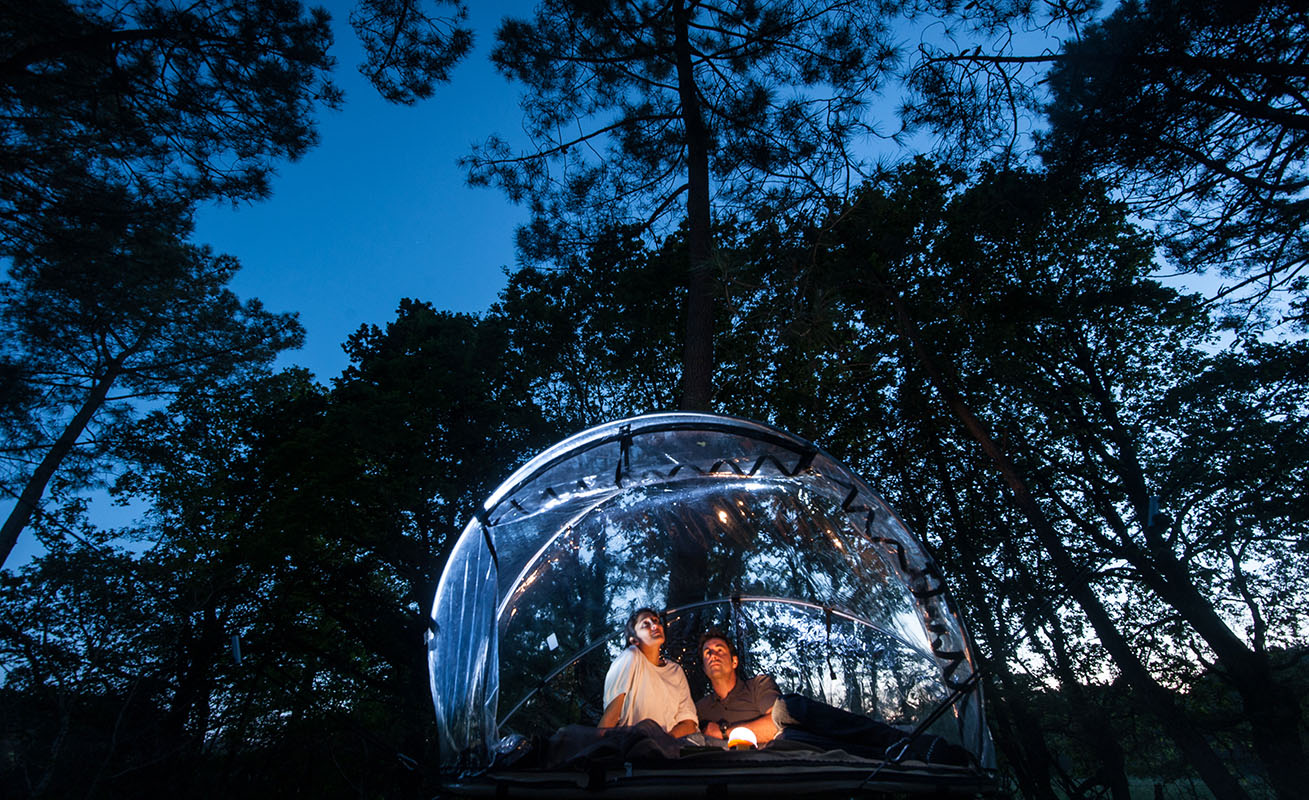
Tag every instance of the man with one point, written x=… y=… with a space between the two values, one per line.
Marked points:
x=754 y=704
x=732 y=702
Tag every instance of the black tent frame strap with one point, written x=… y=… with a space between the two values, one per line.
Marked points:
x=624 y=437
x=970 y=685
x=735 y=601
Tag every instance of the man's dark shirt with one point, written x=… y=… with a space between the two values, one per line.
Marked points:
x=748 y=700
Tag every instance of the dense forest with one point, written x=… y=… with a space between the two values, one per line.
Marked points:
x=1056 y=317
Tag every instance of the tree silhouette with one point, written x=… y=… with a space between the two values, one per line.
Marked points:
x=109 y=309
x=1194 y=111
x=1058 y=390
x=409 y=48
x=117 y=120
x=635 y=107
x=168 y=103
x=1198 y=111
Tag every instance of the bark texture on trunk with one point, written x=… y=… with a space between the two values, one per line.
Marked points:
x=698 y=346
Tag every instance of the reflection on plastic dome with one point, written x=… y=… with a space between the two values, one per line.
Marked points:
x=745 y=538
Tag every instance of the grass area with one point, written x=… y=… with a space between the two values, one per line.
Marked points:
x=1144 y=789
x=1192 y=789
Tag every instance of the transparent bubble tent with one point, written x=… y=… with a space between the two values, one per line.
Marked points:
x=725 y=523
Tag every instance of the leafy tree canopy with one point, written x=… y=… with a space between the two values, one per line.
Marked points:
x=106 y=310
x=410 y=48
x=1197 y=110
x=170 y=102
x=619 y=97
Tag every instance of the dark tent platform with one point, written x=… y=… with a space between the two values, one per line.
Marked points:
x=764 y=773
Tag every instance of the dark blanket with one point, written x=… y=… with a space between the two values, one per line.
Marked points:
x=582 y=747
x=808 y=725
x=807 y=722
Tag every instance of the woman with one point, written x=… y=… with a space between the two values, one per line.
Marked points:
x=642 y=684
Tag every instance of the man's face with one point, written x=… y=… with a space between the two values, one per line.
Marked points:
x=649 y=630
x=717 y=659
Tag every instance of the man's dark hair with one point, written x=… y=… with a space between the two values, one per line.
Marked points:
x=714 y=633
x=630 y=628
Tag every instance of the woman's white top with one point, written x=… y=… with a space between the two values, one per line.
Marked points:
x=657 y=693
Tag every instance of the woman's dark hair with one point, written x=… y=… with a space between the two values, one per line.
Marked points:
x=630 y=629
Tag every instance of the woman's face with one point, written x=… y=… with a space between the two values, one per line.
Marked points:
x=649 y=631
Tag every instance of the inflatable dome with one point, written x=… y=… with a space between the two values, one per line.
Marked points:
x=724 y=523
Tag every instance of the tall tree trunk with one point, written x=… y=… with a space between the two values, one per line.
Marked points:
x=22 y=512
x=1020 y=729
x=63 y=706
x=698 y=346
x=1013 y=735
x=1028 y=755
x=1090 y=718
x=1274 y=722
x=1269 y=706
x=688 y=562
x=1159 y=700
x=195 y=682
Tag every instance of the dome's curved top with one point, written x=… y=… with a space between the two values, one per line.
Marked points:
x=723 y=521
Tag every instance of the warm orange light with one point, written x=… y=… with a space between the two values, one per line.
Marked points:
x=742 y=739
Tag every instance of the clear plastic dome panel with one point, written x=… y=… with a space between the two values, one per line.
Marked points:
x=712 y=538
x=462 y=652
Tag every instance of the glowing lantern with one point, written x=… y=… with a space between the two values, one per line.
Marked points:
x=742 y=739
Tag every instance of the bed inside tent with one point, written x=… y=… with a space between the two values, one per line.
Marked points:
x=727 y=524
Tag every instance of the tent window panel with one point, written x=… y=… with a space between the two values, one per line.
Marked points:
x=572 y=697
x=856 y=667
x=578 y=592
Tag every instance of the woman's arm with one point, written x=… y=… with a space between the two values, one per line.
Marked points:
x=688 y=720
x=612 y=712
x=684 y=728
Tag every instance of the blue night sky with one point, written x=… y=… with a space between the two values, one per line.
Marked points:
x=379 y=211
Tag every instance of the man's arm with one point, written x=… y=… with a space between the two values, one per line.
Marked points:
x=763 y=728
x=767 y=694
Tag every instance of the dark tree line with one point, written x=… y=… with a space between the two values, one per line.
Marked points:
x=309 y=522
